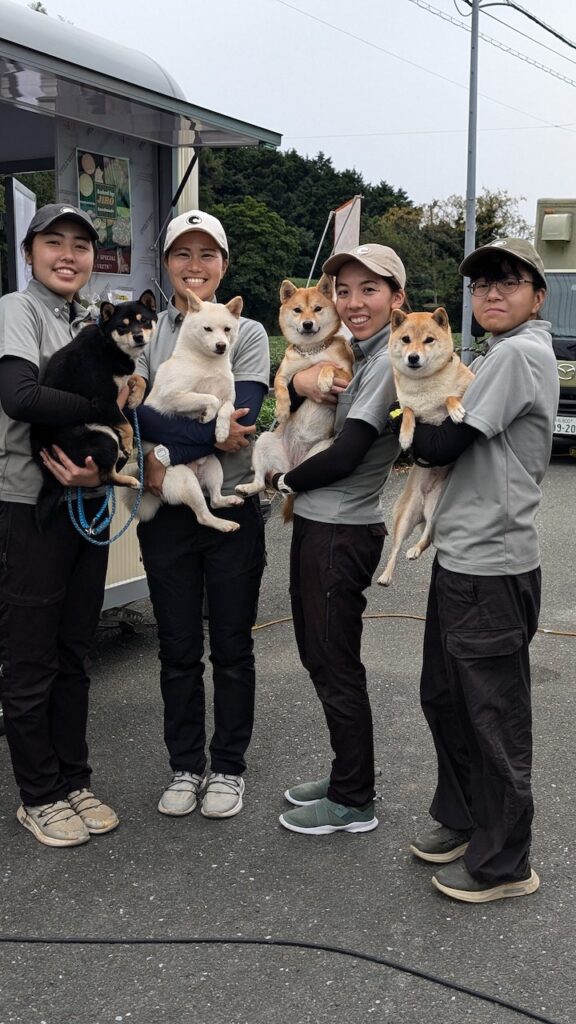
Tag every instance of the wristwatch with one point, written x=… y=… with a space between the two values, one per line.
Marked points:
x=281 y=486
x=162 y=454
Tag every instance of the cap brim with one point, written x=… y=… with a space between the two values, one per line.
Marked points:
x=476 y=259
x=333 y=264
x=77 y=220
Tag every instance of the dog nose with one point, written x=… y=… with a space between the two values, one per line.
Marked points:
x=220 y=347
x=413 y=360
x=308 y=325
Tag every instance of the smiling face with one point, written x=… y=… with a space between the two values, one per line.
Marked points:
x=365 y=300
x=196 y=263
x=499 y=312
x=62 y=258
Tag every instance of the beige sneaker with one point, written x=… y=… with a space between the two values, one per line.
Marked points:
x=222 y=797
x=97 y=817
x=54 y=824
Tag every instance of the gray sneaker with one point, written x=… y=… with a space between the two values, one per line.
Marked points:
x=325 y=816
x=441 y=845
x=54 y=824
x=307 y=792
x=222 y=795
x=181 y=795
x=97 y=817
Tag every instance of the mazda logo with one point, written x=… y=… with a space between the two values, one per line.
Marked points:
x=566 y=371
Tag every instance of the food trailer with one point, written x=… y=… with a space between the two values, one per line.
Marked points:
x=122 y=140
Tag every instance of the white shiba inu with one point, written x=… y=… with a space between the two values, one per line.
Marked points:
x=197 y=381
x=310 y=324
x=430 y=381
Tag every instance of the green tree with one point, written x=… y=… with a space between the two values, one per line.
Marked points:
x=264 y=250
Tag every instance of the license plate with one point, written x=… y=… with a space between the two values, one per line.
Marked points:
x=565 y=425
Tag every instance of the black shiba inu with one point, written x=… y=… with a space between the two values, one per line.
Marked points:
x=96 y=365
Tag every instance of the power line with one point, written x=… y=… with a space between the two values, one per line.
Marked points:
x=513 y=28
x=431 y=131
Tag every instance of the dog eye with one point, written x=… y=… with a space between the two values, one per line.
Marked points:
x=406 y=339
x=227 y=330
x=317 y=309
x=297 y=309
x=208 y=330
x=428 y=341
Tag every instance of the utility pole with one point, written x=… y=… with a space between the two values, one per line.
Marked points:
x=470 y=234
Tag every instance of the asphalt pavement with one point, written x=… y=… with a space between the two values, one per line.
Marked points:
x=132 y=927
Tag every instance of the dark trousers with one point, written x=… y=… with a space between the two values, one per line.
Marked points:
x=330 y=568
x=475 y=692
x=183 y=560
x=51 y=591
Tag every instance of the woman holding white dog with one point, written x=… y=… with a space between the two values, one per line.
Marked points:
x=184 y=560
x=51 y=583
x=338 y=539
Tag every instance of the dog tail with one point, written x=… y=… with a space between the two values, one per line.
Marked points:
x=49 y=498
x=288 y=508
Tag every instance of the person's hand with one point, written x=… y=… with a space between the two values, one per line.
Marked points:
x=238 y=436
x=305 y=384
x=154 y=473
x=67 y=472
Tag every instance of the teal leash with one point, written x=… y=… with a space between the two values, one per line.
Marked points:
x=101 y=521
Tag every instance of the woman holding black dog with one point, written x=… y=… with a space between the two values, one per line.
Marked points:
x=51 y=583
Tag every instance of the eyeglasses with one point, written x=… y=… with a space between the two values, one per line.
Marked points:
x=507 y=286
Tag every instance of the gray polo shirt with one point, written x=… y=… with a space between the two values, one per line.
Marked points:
x=33 y=325
x=250 y=361
x=355 y=500
x=485 y=521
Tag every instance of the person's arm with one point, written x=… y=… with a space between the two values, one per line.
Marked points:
x=188 y=439
x=440 y=446
x=335 y=462
x=23 y=398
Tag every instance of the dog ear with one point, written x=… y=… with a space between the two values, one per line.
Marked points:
x=441 y=317
x=398 y=317
x=287 y=290
x=148 y=299
x=326 y=286
x=194 y=303
x=235 y=305
x=106 y=311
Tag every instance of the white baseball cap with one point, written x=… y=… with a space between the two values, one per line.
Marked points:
x=196 y=220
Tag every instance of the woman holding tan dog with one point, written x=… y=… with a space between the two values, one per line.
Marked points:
x=484 y=595
x=338 y=538
x=184 y=560
x=51 y=582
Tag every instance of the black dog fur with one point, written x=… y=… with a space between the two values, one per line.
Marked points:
x=96 y=365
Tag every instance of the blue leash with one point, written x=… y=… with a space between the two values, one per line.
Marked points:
x=105 y=513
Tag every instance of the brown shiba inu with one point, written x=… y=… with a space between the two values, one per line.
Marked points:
x=310 y=324
x=430 y=381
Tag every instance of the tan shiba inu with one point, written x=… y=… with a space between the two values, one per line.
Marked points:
x=430 y=381
x=310 y=324
x=197 y=381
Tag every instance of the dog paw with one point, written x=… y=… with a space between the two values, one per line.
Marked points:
x=209 y=413
x=405 y=438
x=414 y=552
x=385 y=579
x=457 y=413
x=229 y=527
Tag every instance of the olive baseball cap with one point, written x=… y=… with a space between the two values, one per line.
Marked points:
x=380 y=259
x=519 y=248
x=47 y=215
x=196 y=220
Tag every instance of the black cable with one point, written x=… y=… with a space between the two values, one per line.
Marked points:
x=295 y=943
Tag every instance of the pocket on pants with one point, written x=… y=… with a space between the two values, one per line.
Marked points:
x=467 y=644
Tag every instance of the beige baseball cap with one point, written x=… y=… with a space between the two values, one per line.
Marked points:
x=196 y=220
x=519 y=248
x=380 y=259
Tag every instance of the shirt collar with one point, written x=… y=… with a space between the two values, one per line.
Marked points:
x=54 y=302
x=364 y=349
x=174 y=315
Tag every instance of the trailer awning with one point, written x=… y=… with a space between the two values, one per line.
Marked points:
x=56 y=70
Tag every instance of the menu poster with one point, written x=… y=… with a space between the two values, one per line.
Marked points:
x=104 y=194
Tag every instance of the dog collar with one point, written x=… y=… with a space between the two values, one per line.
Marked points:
x=310 y=351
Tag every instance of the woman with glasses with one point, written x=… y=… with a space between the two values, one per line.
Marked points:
x=484 y=595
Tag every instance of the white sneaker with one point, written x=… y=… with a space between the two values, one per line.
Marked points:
x=97 y=816
x=54 y=824
x=181 y=795
x=222 y=795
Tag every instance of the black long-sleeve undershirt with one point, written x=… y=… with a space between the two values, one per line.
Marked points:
x=440 y=446
x=335 y=462
x=23 y=398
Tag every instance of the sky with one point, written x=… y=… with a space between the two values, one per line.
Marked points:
x=378 y=85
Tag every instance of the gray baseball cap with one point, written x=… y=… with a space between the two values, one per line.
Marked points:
x=380 y=259
x=46 y=216
x=519 y=248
